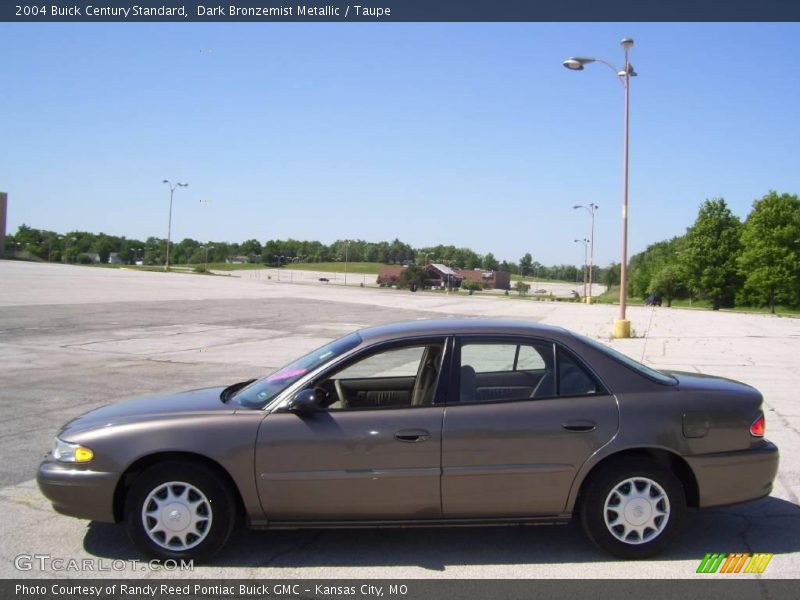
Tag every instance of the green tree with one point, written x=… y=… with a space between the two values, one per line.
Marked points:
x=410 y=276
x=669 y=281
x=471 y=286
x=526 y=264
x=610 y=275
x=521 y=287
x=489 y=262
x=251 y=248
x=712 y=247
x=770 y=258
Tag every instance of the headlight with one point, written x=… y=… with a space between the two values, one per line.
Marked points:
x=73 y=453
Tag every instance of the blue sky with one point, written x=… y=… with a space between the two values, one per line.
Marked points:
x=465 y=134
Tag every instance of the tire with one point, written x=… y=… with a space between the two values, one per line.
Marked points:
x=652 y=505
x=179 y=510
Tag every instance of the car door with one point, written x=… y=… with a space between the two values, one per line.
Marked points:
x=372 y=453
x=522 y=419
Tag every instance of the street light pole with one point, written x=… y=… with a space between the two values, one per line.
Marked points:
x=207 y=248
x=169 y=224
x=591 y=208
x=622 y=326
x=585 y=243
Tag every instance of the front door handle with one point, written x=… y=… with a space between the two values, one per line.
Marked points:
x=412 y=435
x=579 y=426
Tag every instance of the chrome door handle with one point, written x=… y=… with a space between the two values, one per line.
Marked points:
x=412 y=435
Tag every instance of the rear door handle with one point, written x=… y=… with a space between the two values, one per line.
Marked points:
x=412 y=435
x=579 y=425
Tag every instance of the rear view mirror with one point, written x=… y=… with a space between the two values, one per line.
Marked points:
x=304 y=401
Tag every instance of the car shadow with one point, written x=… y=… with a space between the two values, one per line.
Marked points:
x=768 y=525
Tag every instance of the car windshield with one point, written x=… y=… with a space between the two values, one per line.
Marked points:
x=261 y=391
x=629 y=362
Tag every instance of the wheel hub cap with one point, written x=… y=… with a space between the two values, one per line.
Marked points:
x=636 y=510
x=176 y=515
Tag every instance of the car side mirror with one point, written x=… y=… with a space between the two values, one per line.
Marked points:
x=304 y=401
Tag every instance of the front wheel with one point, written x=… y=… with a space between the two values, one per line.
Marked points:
x=179 y=511
x=633 y=509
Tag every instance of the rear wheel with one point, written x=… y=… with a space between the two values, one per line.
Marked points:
x=633 y=509
x=179 y=510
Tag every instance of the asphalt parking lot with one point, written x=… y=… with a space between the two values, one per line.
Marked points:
x=74 y=338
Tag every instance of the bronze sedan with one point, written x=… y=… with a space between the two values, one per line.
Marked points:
x=426 y=423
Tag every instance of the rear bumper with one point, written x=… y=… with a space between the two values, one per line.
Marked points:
x=733 y=477
x=76 y=492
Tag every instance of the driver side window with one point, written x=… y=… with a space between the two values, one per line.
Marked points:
x=392 y=378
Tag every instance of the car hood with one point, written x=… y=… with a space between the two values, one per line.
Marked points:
x=710 y=383
x=158 y=406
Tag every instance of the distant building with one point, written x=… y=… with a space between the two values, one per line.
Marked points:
x=442 y=276
x=498 y=280
x=237 y=260
x=114 y=259
x=389 y=274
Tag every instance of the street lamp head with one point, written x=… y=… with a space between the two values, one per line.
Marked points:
x=626 y=43
x=165 y=181
x=183 y=184
x=576 y=63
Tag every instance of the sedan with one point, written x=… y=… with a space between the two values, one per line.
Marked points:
x=428 y=423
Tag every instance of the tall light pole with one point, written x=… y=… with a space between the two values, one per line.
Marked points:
x=169 y=224
x=66 y=248
x=585 y=243
x=50 y=246
x=207 y=248
x=622 y=326
x=591 y=208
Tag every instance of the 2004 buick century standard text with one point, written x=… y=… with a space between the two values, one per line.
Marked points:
x=423 y=423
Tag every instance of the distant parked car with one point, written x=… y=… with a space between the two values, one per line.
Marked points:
x=540 y=291
x=421 y=423
x=653 y=300
x=324 y=279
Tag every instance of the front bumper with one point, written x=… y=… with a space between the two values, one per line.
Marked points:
x=734 y=477
x=78 y=491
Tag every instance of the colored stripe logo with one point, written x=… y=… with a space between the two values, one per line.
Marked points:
x=737 y=562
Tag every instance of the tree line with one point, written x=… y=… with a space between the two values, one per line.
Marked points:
x=78 y=246
x=727 y=261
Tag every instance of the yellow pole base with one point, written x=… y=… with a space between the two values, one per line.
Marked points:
x=588 y=299
x=622 y=328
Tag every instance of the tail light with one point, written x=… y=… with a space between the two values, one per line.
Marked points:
x=758 y=427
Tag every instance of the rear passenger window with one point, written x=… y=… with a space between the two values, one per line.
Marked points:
x=529 y=359
x=495 y=372
x=573 y=380
x=503 y=371
x=489 y=358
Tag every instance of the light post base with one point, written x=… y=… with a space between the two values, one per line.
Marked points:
x=622 y=328
x=588 y=300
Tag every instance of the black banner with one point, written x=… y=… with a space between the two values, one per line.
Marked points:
x=402 y=10
x=729 y=588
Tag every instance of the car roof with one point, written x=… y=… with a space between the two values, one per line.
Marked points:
x=408 y=329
